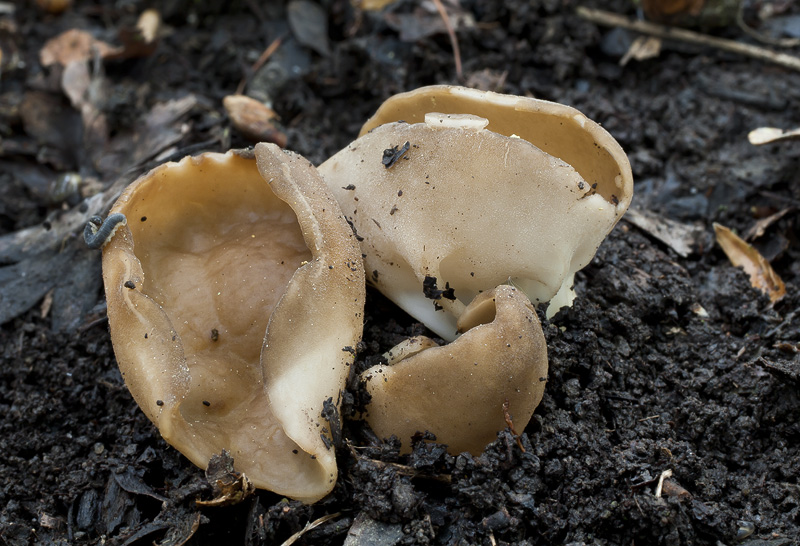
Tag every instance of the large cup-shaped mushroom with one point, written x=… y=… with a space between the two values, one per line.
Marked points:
x=475 y=189
x=458 y=391
x=235 y=295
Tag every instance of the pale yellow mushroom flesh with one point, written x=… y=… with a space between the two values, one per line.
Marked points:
x=235 y=294
x=458 y=391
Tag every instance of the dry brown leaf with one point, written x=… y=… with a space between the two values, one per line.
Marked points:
x=743 y=255
x=74 y=45
x=253 y=119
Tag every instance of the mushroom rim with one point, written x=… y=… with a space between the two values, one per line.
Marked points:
x=557 y=129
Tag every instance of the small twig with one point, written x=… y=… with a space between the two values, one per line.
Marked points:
x=401 y=469
x=670 y=33
x=779 y=42
x=310 y=525
x=664 y=475
x=510 y=423
x=453 y=38
x=255 y=7
x=271 y=48
x=92 y=324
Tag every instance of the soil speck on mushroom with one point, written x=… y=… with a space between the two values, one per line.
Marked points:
x=392 y=155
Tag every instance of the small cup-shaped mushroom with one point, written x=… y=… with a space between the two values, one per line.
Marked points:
x=458 y=391
x=475 y=189
x=235 y=292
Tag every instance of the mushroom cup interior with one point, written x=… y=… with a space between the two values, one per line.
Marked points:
x=556 y=129
x=216 y=256
x=232 y=291
x=458 y=391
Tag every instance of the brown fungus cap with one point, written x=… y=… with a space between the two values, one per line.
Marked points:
x=489 y=189
x=457 y=391
x=233 y=292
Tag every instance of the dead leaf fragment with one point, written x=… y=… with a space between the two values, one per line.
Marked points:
x=743 y=255
x=426 y=21
x=760 y=227
x=253 y=119
x=230 y=487
x=140 y=40
x=658 y=9
x=642 y=48
x=309 y=23
x=767 y=135
x=680 y=237
x=672 y=488
x=373 y=5
x=487 y=80
x=53 y=6
x=309 y=526
x=47 y=304
x=692 y=13
x=74 y=45
x=148 y=24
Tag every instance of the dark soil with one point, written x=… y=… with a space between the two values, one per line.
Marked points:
x=665 y=362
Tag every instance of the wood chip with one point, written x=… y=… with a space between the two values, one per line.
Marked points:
x=768 y=135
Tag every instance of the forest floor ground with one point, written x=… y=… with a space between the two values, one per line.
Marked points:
x=669 y=359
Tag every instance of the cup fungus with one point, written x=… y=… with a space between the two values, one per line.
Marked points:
x=235 y=293
x=475 y=189
x=457 y=391
x=469 y=192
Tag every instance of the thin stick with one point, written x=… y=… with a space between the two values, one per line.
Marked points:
x=310 y=525
x=401 y=469
x=453 y=37
x=271 y=48
x=669 y=33
x=510 y=423
x=779 y=42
